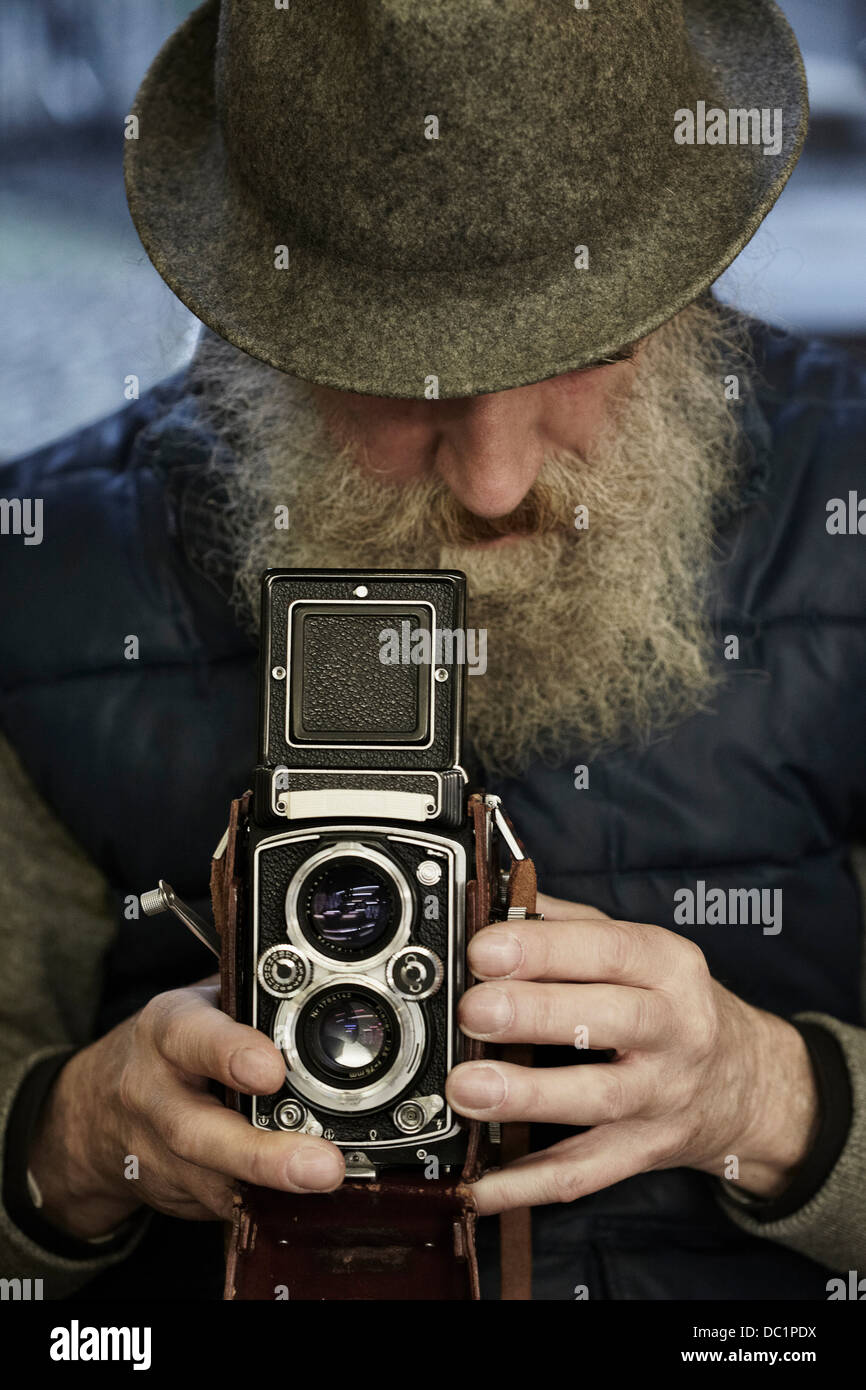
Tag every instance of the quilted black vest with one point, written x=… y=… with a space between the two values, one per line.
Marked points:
x=140 y=759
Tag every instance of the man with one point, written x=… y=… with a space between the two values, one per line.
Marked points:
x=457 y=266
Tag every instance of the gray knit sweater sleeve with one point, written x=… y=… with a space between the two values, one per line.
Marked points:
x=831 y=1228
x=56 y=924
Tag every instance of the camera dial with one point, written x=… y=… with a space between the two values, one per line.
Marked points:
x=283 y=970
x=415 y=972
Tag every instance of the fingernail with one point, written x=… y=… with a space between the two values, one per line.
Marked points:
x=487 y=1010
x=495 y=952
x=251 y=1070
x=314 y=1169
x=478 y=1088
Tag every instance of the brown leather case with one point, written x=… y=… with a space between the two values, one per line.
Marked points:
x=399 y=1237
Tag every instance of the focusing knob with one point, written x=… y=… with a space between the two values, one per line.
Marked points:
x=283 y=971
x=415 y=972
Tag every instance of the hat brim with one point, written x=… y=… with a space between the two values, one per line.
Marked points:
x=357 y=328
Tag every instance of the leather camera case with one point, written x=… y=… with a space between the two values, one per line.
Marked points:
x=399 y=1236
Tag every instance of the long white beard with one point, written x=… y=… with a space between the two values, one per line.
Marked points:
x=595 y=637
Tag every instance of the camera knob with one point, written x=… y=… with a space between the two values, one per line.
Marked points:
x=289 y=1114
x=283 y=971
x=412 y=1115
x=415 y=972
x=409 y=1117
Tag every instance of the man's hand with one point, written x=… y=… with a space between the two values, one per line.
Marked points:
x=699 y=1075
x=142 y=1091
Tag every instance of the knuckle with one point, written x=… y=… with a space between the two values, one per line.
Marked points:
x=567 y=1183
x=677 y=1095
x=621 y=946
x=168 y=1039
x=129 y=1089
x=643 y=1016
x=661 y=1093
x=547 y=952
x=141 y=1032
x=612 y=1096
x=527 y=1094
x=173 y=1130
x=257 y=1161
x=543 y=1011
x=704 y=1031
x=692 y=960
x=154 y=1019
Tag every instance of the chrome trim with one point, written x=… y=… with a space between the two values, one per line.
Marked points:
x=307 y=971
x=164 y=899
x=457 y=870
x=360 y=604
x=494 y=804
x=345 y=849
x=349 y=801
x=282 y=771
x=426 y=954
x=412 y=1036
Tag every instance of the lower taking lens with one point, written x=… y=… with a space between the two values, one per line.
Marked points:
x=352 y=1034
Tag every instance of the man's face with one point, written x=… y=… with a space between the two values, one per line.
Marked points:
x=580 y=509
x=488 y=450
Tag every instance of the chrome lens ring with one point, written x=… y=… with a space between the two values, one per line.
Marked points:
x=386 y=868
x=404 y=1066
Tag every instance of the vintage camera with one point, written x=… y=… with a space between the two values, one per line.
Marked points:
x=351 y=946
x=354 y=860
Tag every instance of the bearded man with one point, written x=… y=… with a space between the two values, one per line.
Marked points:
x=455 y=271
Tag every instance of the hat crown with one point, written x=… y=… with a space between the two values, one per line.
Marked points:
x=435 y=135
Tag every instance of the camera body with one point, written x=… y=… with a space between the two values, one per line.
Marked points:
x=352 y=930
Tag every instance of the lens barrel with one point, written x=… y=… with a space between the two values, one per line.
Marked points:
x=347 y=1036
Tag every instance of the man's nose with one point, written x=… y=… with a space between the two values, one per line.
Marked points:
x=490 y=451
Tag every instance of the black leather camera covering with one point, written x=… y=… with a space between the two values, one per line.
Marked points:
x=287 y=592
x=277 y=866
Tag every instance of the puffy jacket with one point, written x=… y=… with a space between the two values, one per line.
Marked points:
x=140 y=758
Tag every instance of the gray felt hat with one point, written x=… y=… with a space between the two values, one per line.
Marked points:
x=402 y=196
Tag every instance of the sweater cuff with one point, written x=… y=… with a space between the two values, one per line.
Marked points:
x=27 y=1241
x=822 y=1214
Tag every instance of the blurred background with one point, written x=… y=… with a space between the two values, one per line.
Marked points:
x=83 y=307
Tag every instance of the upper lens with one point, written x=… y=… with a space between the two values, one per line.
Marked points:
x=347 y=905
